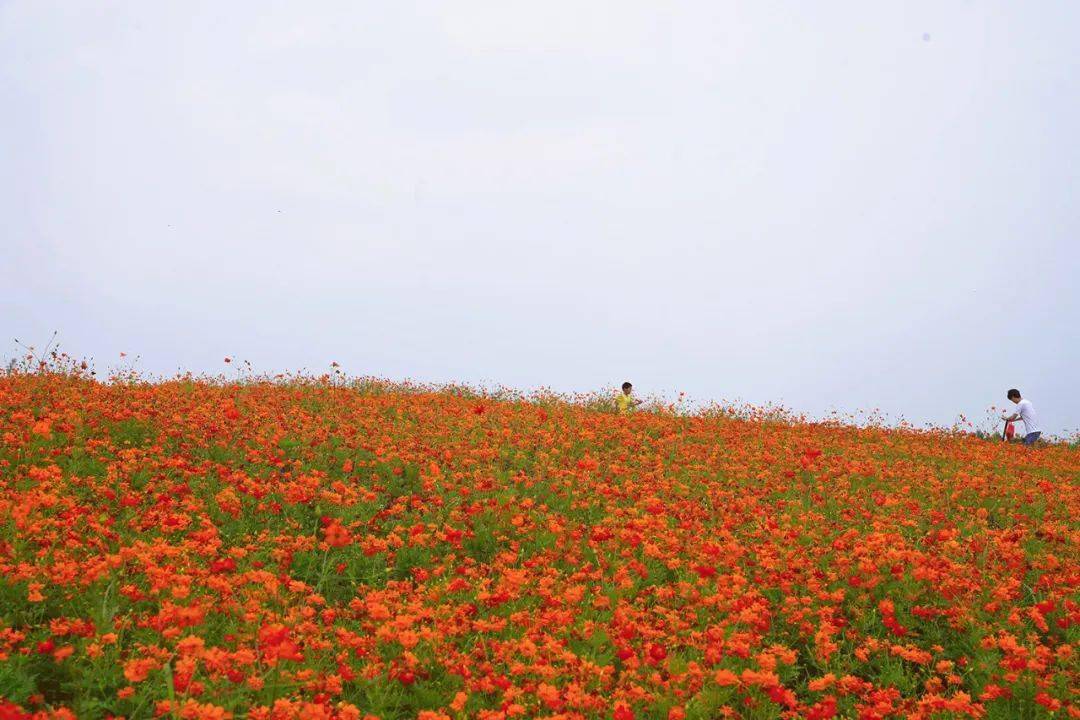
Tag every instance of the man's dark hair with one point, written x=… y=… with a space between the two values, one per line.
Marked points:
x=626 y=386
x=1013 y=393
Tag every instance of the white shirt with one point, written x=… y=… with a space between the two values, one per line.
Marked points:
x=1027 y=414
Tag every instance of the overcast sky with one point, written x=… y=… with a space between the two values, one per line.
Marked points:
x=829 y=205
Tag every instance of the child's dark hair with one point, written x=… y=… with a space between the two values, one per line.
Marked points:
x=626 y=386
x=1013 y=393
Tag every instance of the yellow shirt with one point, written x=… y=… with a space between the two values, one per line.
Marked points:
x=623 y=402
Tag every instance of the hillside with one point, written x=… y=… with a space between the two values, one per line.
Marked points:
x=199 y=549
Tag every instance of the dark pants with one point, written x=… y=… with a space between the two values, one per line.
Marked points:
x=1030 y=438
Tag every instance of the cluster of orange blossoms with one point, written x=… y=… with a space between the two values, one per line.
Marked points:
x=196 y=549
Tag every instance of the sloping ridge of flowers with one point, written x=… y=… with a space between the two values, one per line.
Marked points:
x=200 y=549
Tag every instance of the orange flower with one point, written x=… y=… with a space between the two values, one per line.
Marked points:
x=139 y=669
x=42 y=428
x=725 y=678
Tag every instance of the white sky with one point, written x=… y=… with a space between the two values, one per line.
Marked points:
x=830 y=205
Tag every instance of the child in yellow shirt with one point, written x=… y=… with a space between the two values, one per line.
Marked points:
x=624 y=401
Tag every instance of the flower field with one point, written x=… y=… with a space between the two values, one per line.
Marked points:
x=197 y=549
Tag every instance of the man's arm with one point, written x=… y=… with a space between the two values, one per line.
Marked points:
x=1011 y=418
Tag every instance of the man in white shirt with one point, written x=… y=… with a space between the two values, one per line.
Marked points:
x=1025 y=412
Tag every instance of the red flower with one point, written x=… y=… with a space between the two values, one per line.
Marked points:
x=823 y=710
x=223 y=566
x=705 y=571
x=10 y=711
x=276 y=643
x=337 y=535
x=1048 y=702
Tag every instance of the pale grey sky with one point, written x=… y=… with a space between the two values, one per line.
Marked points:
x=829 y=205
